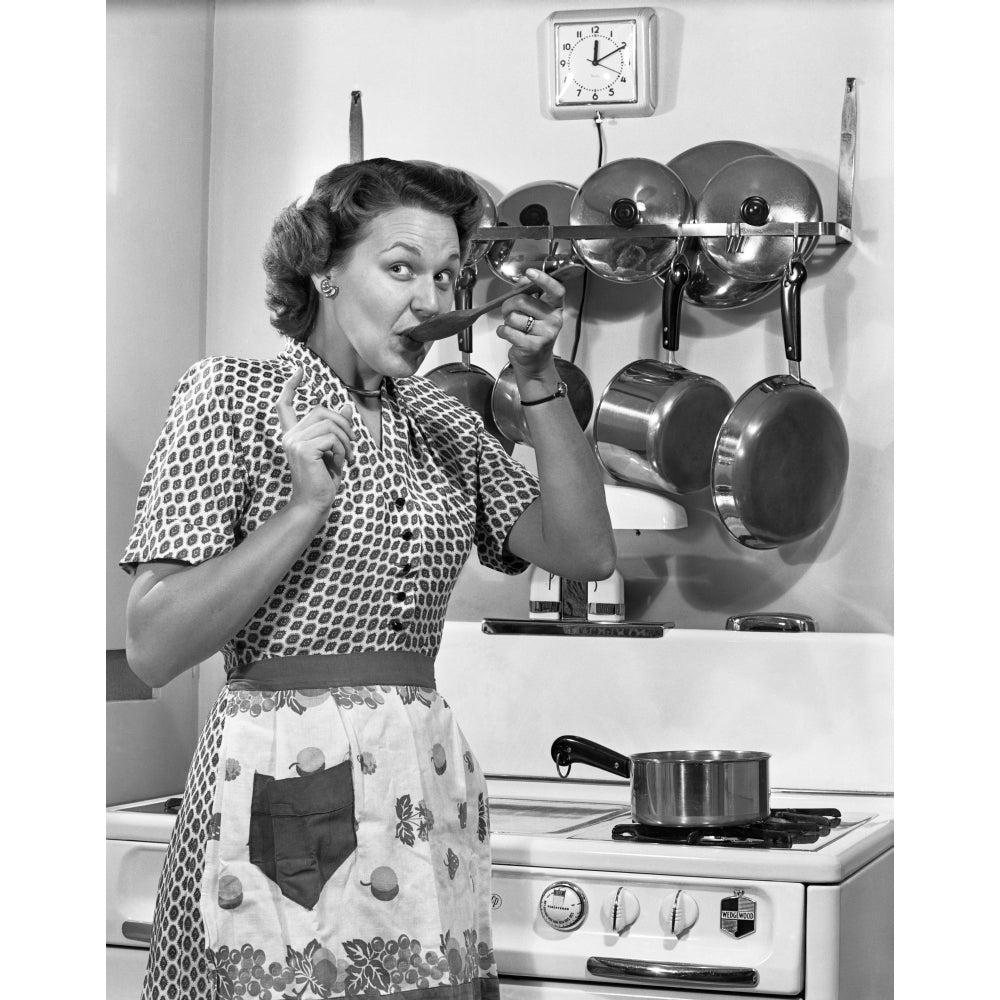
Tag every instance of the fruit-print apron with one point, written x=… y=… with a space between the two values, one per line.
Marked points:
x=349 y=849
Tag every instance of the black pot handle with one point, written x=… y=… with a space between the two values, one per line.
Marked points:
x=463 y=300
x=569 y=750
x=674 y=279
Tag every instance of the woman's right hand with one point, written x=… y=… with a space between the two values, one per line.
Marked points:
x=318 y=447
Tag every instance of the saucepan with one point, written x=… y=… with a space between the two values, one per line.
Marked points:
x=656 y=422
x=681 y=788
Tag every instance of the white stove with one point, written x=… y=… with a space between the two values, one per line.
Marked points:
x=579 y=913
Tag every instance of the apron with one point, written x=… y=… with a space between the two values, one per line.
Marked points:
x=348 y=848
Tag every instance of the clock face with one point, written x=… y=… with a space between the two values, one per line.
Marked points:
x=595 y=62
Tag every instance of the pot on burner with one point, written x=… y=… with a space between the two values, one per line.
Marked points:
x=681 y=788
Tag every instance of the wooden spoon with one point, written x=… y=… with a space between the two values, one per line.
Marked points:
x=452 y=323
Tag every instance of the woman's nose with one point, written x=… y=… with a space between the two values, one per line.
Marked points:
x=429 y=301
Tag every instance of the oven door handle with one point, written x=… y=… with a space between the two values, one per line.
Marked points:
x=672 y=972
x=136 y=930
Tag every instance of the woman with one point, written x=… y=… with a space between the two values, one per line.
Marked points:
x=309 y=515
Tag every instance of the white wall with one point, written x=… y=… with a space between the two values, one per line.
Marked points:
x=458 y=81
x=159 y=64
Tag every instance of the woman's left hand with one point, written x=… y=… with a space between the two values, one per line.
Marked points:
x=531 y=324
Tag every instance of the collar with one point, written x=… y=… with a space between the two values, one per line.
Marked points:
x=320 y=381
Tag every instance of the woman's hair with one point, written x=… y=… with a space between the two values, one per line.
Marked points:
x=311 y=237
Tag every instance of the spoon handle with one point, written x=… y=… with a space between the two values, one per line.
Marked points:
x=531 y=286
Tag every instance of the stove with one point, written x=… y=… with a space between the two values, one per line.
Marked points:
x=586 y=904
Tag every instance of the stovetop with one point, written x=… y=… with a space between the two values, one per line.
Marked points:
x=568 y=825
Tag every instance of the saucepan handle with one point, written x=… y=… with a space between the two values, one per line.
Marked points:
x=569 y=750
x=792 y=280
x=463 y=300
x=675 y=278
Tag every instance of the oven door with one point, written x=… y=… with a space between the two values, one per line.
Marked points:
x=517 y=988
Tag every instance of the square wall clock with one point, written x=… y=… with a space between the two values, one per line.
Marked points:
x=600 y=60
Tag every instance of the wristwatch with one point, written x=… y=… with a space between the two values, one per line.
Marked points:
x=561 y=390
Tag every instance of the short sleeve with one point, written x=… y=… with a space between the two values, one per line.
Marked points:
x=505 y=490
x=193 y=488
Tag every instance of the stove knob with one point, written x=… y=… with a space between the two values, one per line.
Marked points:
x=621 y=910
x=679 y=913
x=563 y=906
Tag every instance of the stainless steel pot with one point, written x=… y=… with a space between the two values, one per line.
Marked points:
x=681 y=788
x=627 y=193
x=756 y=190
x=656 y=422
x=506 y=400
x=780 y=459
x=542 y=204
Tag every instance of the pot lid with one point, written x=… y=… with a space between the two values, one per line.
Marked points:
x=540 y=204
x=757 y=190
x=627 y=193
x=699 y=164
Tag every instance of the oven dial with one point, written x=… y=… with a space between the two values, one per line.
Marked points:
x=563 y=906
x=679 y=913
x=620 y=910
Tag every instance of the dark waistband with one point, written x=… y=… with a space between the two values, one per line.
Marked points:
x=283 y=673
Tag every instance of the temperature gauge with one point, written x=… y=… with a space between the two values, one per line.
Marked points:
x=563 y=906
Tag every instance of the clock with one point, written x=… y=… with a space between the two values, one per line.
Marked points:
x=601 y=60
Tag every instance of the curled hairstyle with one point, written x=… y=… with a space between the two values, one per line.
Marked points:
x=315 y=235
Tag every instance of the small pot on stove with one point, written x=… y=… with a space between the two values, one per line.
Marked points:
x=681 y=788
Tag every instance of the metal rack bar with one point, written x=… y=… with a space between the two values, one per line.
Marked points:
x=706 y=229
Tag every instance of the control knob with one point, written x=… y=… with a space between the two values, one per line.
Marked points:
x=563 y=906
x=679 y=913
x=620 y=910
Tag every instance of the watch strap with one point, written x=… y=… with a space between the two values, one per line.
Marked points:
x=560 y=390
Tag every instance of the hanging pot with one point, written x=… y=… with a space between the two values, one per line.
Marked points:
x=542 y=204
x=656 y=423
x=780 y=459
x=467 y=382
x=627 y=193
x=506 y=400
x=709 y=285
x=756 y=190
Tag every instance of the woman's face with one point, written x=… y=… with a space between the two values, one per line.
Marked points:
x=401 y=273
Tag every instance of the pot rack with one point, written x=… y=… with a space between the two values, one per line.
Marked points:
x=735 y=232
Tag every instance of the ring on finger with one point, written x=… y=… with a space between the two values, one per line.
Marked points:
x=529 y=324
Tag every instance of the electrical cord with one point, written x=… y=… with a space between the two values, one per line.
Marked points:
x=586 y=273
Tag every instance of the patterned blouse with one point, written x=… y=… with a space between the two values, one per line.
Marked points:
x=379 y=574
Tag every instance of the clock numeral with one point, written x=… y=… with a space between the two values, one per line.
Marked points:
x=567 y=46
x=562 y=62
x=623 y=80
x=611 y=91
x=579 y=34
x=579 y=91
x=595 y=29
x=595 y=97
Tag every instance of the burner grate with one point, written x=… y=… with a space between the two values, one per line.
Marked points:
x=782 y=828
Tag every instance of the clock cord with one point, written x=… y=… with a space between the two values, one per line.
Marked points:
x=583 y=290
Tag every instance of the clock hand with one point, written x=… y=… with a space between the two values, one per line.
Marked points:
x=594 y=60
x=606 y=54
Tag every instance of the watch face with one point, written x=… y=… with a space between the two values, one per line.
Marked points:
x=595 y=62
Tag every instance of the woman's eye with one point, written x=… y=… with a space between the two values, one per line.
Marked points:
x=401 y=270
x=446 y=279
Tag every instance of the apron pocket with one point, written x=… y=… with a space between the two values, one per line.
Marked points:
x=302 y=829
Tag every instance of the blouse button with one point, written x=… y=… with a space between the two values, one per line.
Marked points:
x=401 y=595
x=405 y=568
x=396 y=625
x=406 y=534
x=400 y=502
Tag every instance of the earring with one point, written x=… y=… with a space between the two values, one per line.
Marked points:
x=327 y=289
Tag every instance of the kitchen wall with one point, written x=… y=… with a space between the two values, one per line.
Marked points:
x=458 y=81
